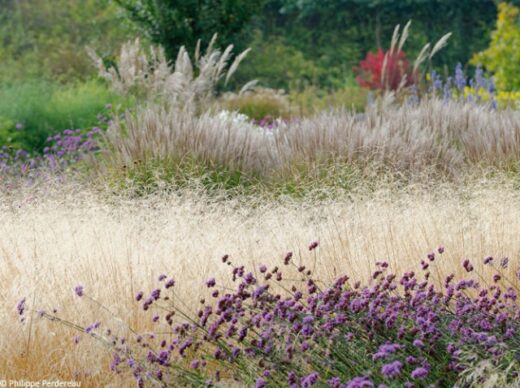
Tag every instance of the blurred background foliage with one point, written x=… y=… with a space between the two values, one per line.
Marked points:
x=296 y=43
x=308 y=48
x=47 y=39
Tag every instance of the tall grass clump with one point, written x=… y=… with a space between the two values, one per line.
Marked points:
x=446 y=139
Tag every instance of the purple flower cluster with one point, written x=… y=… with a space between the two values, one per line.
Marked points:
x=407 y=330
x=62 y=150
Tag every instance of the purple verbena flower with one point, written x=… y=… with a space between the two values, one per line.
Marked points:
x=78 y=290
x=169 y=284
x=20 y=307
x=392 y=369
x=360 y=382
x=313 y=245
x=419 y=373
x=310 y=380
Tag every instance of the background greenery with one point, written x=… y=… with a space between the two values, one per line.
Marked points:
x=306 y=47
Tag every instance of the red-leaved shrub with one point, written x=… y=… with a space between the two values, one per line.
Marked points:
x=371 y=74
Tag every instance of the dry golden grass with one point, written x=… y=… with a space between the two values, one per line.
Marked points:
x=50 y=242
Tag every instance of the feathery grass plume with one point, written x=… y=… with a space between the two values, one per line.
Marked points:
x=186 y=85
x=423 y=54
x=441 y=43
x=404 y=36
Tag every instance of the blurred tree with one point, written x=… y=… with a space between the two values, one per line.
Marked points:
x=176 y=23
x=502 y=57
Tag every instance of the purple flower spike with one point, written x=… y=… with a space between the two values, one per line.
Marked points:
x=139 y=296
x=488 y=260
x=211 y=282
x=460 y=78
x=78 y=290
x=440 y=249
x=260 y=383
x=162 y=277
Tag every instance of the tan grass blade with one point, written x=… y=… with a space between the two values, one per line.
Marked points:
x=395 y=38
x=404 y=36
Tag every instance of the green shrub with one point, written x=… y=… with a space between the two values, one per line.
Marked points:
x=30 y=111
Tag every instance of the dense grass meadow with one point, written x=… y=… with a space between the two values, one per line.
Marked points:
x=51 y=243
x=180 y=208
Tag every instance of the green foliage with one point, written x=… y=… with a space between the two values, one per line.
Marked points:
x=276 y=64
x=173 y=24
x=319 y=181
x=41 y=38
x=155 y=175
x=43 y=108
x=503 y=56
